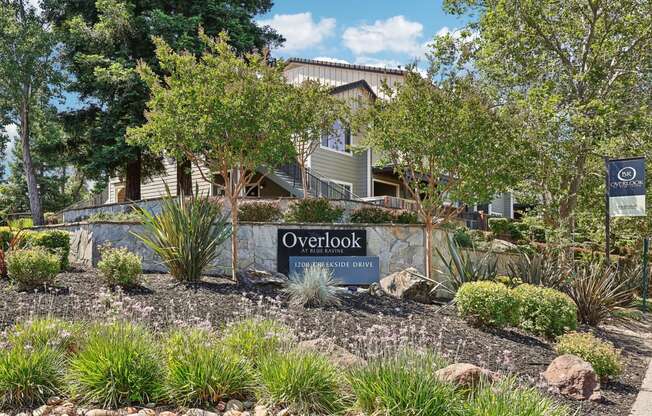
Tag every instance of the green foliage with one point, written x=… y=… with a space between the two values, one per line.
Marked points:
x=56 y=242
x=47 y=332
x=504 y=228
x=254 y=339
x=463 y=266
x=407 y=217
x=33 y=267
x=406 y=382
x=602 y=355
x=507 y=398
x=488 y=303
x=118 y=365
x=306 y=383
x=371 y=215
x=462 y=237
x=186 y=235
x=316 y=286
x=29 y=376
x=546 y=268
x=132 y=216
x=314 y=210
x=545 y=311
x=200 y=372
x=259 y=212
x=119 y=266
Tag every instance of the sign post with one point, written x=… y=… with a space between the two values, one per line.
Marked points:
x=646 y=248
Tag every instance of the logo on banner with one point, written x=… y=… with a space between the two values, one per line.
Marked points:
x=626 y=191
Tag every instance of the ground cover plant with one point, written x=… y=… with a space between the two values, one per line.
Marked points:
x=29 y=268
x=603 y=356
x=545 y=311
x=119 y=266
x=488 y=303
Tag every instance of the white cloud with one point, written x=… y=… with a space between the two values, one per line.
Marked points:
x=457 y=33
x=329 y=59
x=396 y=34
x=300 y=30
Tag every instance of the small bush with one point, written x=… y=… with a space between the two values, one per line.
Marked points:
x=406 y=217
x=201 y=372
x=371 y=215
x=256 y=338
x=504 y=228
x=462 y=237
x=506 y=398
x=314 y=287
x=487 y=303
x=602 y=355
x=29 y=376
x=306 y=383
x=56 y=242
x=405 y=384
x=119 y=266
x=5 y=237
x=118 y=365
x=32 y=267
x=545 y=311
x=259 y=212
x=314 y=210
x=46 y=332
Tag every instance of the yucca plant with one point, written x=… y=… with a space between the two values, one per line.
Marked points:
x=463 y=266
x=186 y=235
x=316 y=286
x=542 y=269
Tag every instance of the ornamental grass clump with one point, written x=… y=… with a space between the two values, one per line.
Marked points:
x=201 y=372
x=315 y=286
x=305 y=383
x=544 y=311
x=29 y=376
x=404 y=384
x=602 y=355
x=118 y=365
x=488 y=303
x=186 y=235
x=33 y=267
x=48 y=332
x=254 y=339
x=120 y=267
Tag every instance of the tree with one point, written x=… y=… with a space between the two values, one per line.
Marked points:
x=102 y=42
x=315 y=112
x=445 y=142
x=27 y=78
x=227 y=114
x=4 y=140
x=579 y=73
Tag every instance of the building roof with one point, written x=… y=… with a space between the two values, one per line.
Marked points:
x=353 y=85
x=393 y=71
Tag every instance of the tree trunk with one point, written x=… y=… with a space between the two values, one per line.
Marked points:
x=30 y=176
x=304 y=180
x=234 y=237
x=132 y=188
x=429 y=228
x=184 y=178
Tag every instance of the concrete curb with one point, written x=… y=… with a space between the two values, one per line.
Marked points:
x=643 y=404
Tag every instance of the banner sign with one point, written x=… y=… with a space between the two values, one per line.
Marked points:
x=318 y=243
x=626 y=187
x=347 y=270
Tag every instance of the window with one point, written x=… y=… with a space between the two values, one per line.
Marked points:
x=339 y=140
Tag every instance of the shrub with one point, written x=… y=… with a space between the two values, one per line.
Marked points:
x=462 y=237
x=405 y=384
x=487 y=303
x=259 y=212
x=314 y=210
x=132 y=216
x=46 y=332
x=56 y=242
x=5 y=237
x=186 y=235
x=545 y=311
x=118 y=365
x=504 y=228
x=256 y=338
x=29 y=376
x=371 y=215
x=406 y=217
x=201 y=372
x=506 y=398
x=316 y=286
x=119 y=266
x=602 y=355
x=51 y=218
x=32 y=267
x=306 y=383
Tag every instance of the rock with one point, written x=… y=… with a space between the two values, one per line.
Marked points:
x=146 y=412
x=43 y=410
x=336 y=354
x=258 y=411
x=234 y=405
x=248 y=404
x=64 y=409
x=101 y=412
x=502 y=246
x=233 y=413
x=54 y=400
x=465 y=375
x=376 y=290
x=263 y=277
x=407 y=284
x=167 y=413
x=129 y=410
x=284 y=412
x=572 y=377
x=200 y=412
x=221 y=406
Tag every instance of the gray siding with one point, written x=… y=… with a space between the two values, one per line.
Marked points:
x=341 y=167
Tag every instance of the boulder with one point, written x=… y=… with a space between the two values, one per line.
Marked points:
x=407 y=284
x=234 y=405
x=263 y=278
x=572 y=377
x=465 y=375
x=335 y=354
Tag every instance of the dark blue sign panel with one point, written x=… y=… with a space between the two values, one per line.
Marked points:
x=626 y=178
x=348 y=270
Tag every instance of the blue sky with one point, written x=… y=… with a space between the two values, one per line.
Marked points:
x=368 y=32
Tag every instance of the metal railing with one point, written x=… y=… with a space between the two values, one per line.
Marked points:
x=394 y=202
x=317 y=186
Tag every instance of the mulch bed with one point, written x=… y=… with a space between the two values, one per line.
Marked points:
x=364 y=324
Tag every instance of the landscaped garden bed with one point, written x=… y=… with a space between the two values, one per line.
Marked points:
x=363 y=324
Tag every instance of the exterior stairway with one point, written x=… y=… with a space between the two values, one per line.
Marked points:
x=289 y=178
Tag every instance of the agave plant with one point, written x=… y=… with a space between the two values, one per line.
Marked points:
x=466 y=265
x=547 y=268
x=186 y=235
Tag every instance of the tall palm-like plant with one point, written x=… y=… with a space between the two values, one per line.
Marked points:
x=466 y=266
x=186 y=234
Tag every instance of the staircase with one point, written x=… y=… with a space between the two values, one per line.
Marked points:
x=289 y=178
